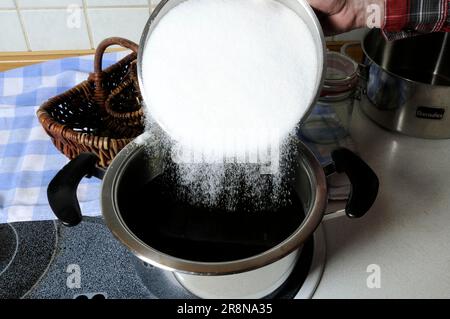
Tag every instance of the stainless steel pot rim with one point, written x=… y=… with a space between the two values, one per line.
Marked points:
x=322 y=51
x=114 y=221
x=392 y=73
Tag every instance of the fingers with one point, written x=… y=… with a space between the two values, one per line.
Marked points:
x=329 y=7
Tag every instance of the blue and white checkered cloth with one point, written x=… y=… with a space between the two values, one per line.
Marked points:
x=28 y=159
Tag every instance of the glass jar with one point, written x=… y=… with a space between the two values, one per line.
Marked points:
x=330 y=120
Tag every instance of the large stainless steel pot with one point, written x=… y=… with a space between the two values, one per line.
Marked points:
x=408 y=84
x=134 y=167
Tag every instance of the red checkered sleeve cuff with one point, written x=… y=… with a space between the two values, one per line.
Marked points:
x=447 y=22
x=405 y=18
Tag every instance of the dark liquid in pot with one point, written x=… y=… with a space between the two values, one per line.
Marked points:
x=165 y=220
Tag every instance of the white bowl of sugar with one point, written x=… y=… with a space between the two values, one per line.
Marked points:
x=231 y=76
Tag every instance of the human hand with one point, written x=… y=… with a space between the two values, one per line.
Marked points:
x=338 y=16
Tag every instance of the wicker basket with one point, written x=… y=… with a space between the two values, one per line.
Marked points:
x=124 y=104
x=77 y=120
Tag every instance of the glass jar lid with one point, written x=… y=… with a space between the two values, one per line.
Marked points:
x=341 y=70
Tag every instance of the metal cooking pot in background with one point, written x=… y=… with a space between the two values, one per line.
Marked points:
x=133 y=168
x=408 y=83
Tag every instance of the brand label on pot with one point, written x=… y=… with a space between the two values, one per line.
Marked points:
x=431 y=113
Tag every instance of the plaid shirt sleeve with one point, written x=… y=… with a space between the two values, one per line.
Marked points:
x=405 y=18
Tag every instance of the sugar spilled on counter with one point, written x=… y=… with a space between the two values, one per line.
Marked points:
x=226 y=80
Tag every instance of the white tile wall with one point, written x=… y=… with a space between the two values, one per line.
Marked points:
x=121 y=3
x=35 y=25
x=54 y=29
x=40 y=25
x=7 y=4
x=47 y=3
x=12 y=37
x=124 y=22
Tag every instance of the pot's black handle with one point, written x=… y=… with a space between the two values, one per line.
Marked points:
x=62 y=190
x=364 y=181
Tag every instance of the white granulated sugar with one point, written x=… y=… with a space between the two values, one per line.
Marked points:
x=228 y=80
x=226 y=76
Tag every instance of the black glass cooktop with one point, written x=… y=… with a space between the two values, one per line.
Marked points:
x=48 y=260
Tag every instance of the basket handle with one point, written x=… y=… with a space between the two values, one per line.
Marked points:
x=97 y=76
x=107 y=43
